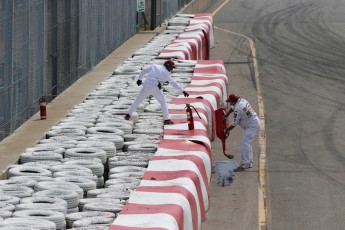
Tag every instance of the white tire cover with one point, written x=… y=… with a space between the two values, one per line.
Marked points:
x=68 y=167
x=44 y=200
x=29 y=221
x=70 y=196
x=28 y=171
x=5 y=214
x=9 y=199
x=18 y=181
x=57 y=217
x=49 y=185
x=87 y=153
x=42 y=206
x=93 y=221
x=16 y=190
x=72 y=217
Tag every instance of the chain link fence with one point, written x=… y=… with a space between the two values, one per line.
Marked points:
x=157 y=11
x=47 y=45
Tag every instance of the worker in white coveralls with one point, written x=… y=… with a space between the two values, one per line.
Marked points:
x=157 y=75
x=245 y=116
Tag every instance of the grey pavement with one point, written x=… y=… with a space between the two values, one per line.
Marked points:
x=232 y=207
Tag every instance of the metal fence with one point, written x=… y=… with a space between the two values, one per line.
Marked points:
x=157 y=11
x=47 y=45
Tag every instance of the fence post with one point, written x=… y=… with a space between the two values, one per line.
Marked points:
x=153 y=14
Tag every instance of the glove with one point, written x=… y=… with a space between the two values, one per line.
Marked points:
x=139 y=82
x=185 y=94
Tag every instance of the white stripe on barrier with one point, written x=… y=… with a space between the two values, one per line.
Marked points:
x=201 y=66
x=173 y=152
x=152 y=198
x=178 y=165
x=173 y=54
x=184 y=126
x=188 y=138
x=206 y=88
x=145 y=221
x=209 y=97
x=184 y=115
x=185 y=182
x=205 y=82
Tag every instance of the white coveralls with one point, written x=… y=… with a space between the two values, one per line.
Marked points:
x=245 y=116
x=156 y=73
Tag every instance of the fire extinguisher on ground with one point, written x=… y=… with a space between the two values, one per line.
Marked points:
x=43 y=108
x=190 y=119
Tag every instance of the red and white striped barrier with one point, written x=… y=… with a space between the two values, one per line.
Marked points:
x=174 y=192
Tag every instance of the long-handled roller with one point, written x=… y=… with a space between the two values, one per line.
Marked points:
x=221 y=124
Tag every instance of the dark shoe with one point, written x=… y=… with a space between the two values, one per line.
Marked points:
x=127 y=116
x=168 y=122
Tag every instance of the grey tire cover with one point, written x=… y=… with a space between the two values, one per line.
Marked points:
x=93 y=221
x=43 y=200
x=72 y=217
x=29 y=221
x=42 y=206
x=28 y=171
x=70 y=196
x=46 y=185
x=57 y=217
x=9 y=199
x=87 y=153
x=16 y=190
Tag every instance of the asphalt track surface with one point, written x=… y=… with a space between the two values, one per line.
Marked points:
x=300 y=54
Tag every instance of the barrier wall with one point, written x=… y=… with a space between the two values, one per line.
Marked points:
x=174 y=192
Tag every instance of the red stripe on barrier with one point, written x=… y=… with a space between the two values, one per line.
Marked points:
x=198 y=40
x=180 y=190
x=197 y=161
x=215 y=94
x=183 y=145
x=184 y=120
x=208 y=62
x=193 y=46
x=170 y=175
x=209 y=69
x=205 y=102
x=217 y=84
x=167 y=51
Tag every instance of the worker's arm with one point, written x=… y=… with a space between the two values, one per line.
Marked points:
x=144 y=72
x=228 y=113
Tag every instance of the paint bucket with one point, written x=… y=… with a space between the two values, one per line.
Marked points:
x=225 y=170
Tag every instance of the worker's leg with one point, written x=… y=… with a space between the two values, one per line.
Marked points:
x=247 y=151
x=158 y=94
x=143 y=93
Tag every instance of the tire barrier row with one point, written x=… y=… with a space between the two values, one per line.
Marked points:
x=99 y=171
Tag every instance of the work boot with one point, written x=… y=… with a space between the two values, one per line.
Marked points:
x=168 y=122
x=127 y=116
x=244 y=167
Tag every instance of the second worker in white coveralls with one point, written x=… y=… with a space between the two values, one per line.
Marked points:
x=244 y=116
x=157 y=75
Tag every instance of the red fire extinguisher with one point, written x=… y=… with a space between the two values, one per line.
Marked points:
x=43 y=108
x=190 y=119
